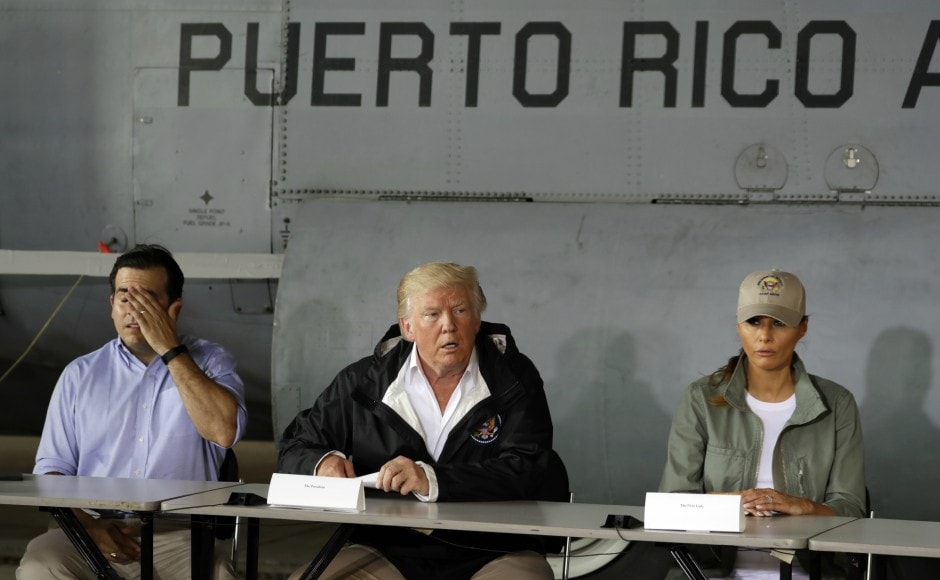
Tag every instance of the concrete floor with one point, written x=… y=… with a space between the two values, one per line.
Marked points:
x=285 y=546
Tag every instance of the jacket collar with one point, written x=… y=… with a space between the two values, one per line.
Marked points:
x=810 y=403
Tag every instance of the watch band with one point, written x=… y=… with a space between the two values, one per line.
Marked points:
x=173 y=353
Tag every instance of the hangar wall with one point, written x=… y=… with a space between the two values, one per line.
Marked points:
x=622 y=306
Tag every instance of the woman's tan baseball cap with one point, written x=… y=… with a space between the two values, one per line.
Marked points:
x=773 y=293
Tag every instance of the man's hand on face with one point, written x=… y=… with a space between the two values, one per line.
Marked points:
x=158 y=325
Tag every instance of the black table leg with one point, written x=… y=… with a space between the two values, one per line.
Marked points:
x=79 y=537
x=251 y=559
x=329 y=551
x=687 y=563
x=146 y=546
x=203 y=546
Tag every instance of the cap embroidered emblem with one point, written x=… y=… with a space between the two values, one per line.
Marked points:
x=488 y=431
x=770 y=285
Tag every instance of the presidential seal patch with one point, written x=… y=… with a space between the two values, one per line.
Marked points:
x=770 y=285
x=488 y=431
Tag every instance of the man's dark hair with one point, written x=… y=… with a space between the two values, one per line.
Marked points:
x=145 y=256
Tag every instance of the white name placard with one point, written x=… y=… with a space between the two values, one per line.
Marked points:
x=291 y=490
x=693 y=512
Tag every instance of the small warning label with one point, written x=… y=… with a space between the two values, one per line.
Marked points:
x=206 y=217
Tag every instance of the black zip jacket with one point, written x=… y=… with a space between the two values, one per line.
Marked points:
x=498 y=451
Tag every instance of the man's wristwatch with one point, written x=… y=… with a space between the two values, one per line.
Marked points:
x=173 y=353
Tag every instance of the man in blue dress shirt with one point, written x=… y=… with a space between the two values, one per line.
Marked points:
x=148 y=404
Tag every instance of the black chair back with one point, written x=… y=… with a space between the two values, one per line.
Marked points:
x=555 y=488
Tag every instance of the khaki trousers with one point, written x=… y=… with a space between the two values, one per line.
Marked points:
x=52 y=555
x=360 y=562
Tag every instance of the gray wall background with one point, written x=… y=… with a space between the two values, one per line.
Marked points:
x=621 y=306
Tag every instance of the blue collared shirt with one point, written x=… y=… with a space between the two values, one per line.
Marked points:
x=112 y=416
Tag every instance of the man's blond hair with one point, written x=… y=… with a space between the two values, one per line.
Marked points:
x=435 y=276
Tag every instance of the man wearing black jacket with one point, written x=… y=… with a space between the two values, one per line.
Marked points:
x=446 y=409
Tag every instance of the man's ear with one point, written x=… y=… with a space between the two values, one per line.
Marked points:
x=174 y=309
x=406 y=329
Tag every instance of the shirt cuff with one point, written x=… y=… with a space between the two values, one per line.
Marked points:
x=325 y=455
x=431 y=497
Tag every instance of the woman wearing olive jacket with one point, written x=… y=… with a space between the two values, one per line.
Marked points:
x=787 y=441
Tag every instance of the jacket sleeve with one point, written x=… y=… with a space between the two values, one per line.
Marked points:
x=318 y=430
x=519 y=469
x=845 y=493
x=688 y=439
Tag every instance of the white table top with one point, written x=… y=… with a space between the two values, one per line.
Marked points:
x=879 y=536
x=519 y=517
x=99 y=492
